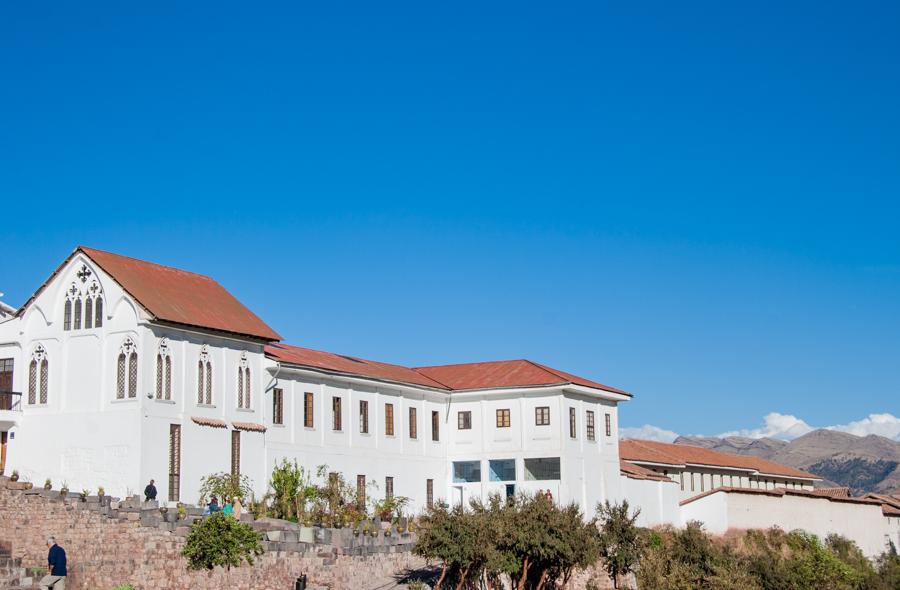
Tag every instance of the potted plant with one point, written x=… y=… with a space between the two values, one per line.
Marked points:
x=64 y=490
x=15 y=475
x=182 y=511
x=101 y=492
x=84 y=494
x=48 y=485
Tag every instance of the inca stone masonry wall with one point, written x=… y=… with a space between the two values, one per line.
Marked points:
x=104 y=552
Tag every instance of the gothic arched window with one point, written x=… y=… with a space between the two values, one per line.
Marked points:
x=164 y=371
x=32 y=382
x=67 y=315
x=98 y=313
x=120 y=376
x=77 y=324
x=88 y=313
x=204 y=378
x=127 y=370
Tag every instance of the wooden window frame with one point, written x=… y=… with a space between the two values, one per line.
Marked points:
x=309 y=406
x=435 y=426
x=542 y=416
x=389 y=487
x=429 y=493
x=464 y=420
x=389 y=419
x=413 y=423
x=278 y=406
x=363 y=416
x=235 y=452
x=608 y=424
x=589 y=425
x=361 y=491
x=174 y=462
x=336 y=411
x=504 y=418
x=573 y=423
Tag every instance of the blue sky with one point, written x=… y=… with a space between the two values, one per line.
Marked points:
x=698 y=203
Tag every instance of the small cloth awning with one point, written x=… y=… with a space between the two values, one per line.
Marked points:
x=251 y=426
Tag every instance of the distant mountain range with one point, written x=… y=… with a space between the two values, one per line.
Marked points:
x=862 y=463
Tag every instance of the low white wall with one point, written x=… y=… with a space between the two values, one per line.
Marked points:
x=863 y=523
x=657 y=500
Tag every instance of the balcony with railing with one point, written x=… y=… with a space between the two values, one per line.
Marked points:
x=10 y=409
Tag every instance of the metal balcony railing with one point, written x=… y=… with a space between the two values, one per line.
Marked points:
x=11 y=400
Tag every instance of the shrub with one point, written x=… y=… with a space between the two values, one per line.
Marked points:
x=225 y=485
x=619 y=541
x=220 y=540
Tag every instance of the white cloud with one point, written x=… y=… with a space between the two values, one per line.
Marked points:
x=775 y=425
x=648 y=432
x=886 y=425
x=784 y=427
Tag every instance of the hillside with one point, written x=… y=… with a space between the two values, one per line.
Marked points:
x=863 y=463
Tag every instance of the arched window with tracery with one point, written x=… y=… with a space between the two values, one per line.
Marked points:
x=38 y=377
x=121 y=363
x=88 y=313
x=164 y=371
x=83 y=307
x=244 y=382
x=98 y=312
x=204 y=378
x=67 y=315
x=127 y=370
x=77 y=324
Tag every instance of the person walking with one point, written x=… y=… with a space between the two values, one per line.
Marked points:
x=150 y=492
x=56 y=559
x=236 y=508
x=227 y=508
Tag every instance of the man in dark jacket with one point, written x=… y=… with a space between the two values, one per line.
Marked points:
x=56 y=559
x=150 y=492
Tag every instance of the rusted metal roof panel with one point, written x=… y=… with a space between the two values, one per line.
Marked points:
x=181 y=297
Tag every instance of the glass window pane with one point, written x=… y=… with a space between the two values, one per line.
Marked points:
x=542 y=469
x=466 y=471
x=502 y=469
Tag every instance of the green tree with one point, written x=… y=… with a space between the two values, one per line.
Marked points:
x=220 y=540
x=225 y=485
x=619 y=538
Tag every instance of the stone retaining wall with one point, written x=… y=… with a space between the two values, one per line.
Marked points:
x=110 y=543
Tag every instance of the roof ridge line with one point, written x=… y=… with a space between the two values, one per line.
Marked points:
x=84 y=250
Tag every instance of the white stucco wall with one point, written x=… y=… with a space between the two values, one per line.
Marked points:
x=863 y=523
x=657 y=501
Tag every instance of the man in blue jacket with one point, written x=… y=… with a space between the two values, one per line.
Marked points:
x=56 y=559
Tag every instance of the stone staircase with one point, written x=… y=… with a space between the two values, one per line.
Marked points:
x=12 y=575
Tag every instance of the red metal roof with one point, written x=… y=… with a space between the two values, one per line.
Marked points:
x=498 y=374
x=488 y=375
x=179 y=296
x=649 y=451
x=637 y=472
x=349 y=365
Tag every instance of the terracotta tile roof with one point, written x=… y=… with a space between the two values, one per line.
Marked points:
x=251 y=426
x=780 y=492
x=499 y=374
x=349 y=365
x=637 y=472
x=842 y=492
x=175 y=296
x=648 y=451
x=204 y=421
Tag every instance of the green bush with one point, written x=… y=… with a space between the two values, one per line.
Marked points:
x=220 y=540
x=225 y=485
x=124 y=587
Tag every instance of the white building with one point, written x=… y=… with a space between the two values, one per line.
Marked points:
x=129 y=370
x=676 y=484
